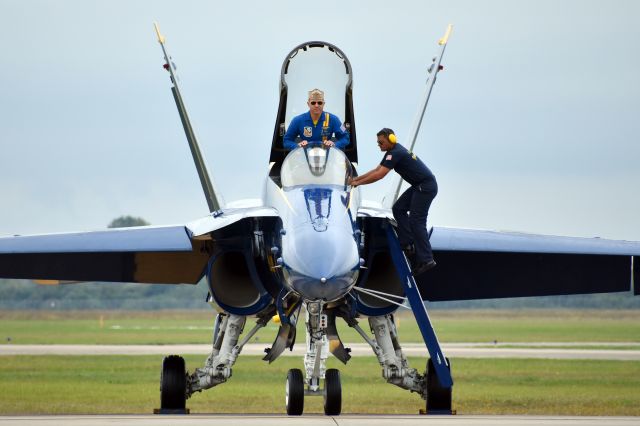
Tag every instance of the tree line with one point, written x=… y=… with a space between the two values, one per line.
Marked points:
x=25 y=294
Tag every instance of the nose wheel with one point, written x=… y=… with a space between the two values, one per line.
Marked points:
x=332 y=393
x=295 y=392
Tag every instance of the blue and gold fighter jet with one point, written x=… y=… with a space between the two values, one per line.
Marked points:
x=313 y=249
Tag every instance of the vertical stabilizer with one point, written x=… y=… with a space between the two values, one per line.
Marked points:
x=214 y=201
x=432 y=71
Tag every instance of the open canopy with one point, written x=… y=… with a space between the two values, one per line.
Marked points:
x=312 y=65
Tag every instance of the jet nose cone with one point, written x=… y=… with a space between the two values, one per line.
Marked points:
x=322 y=266
x=324 y=288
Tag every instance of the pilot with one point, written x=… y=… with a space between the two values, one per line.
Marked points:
x=316 y=126
x=412 y=228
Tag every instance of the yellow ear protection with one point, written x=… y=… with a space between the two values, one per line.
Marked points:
x=389 y=134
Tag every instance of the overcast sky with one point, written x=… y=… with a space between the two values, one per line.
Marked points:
x=532 y=126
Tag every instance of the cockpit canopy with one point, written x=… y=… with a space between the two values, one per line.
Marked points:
x=314 y=65
x=315 y=165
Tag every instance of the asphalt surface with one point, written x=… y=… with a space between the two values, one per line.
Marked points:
x=457 y=350
x=315 y=420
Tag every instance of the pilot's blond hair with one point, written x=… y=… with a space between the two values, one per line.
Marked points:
x=316 y=95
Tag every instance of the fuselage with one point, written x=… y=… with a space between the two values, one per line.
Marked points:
x=318 y=247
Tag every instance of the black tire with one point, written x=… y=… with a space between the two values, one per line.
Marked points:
x=173 y=383
x=438 y=397
x=294 y=392
x=332 y=393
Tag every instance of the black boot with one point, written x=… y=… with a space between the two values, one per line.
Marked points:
x=423 y=267
x=410 y=252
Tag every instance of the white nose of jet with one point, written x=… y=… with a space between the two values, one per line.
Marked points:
x=321 y=265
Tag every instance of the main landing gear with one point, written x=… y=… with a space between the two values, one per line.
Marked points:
x=177 y=385
x=396 y=370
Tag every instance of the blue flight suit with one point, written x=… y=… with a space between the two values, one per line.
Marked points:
x=415 y=201
x=327 y=125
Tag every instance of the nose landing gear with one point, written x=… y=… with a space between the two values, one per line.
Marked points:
x=299 y=386
x=295 y=392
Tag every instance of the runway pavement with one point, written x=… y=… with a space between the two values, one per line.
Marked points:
x=315 y=420
x=453 y=350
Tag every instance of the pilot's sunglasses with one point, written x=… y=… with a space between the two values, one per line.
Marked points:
x=317 y=102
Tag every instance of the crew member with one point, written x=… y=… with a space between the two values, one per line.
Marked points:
x=415 y=201
x=316 y=126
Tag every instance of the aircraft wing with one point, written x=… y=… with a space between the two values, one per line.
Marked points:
x=475 y=264
x=479 y=264
x=148 y=254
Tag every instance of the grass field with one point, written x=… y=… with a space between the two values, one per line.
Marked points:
x=129 y=384
x=123 y=327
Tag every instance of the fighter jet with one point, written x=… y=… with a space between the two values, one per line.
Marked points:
x=313 y=250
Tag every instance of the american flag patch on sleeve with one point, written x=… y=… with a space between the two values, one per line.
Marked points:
x=344 y=129
x=389 y=157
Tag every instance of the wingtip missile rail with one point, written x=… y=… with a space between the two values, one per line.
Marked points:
x=214 y=200
x=160 y=36
x=432 y=73
x=446 y=35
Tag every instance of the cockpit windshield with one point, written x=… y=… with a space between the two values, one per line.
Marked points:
x=315 y=165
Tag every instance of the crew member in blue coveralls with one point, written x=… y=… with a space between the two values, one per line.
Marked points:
x=412 y=229
x=316 y=126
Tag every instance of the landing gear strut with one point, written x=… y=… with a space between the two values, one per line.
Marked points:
x=176 y=385
x=396 y=370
